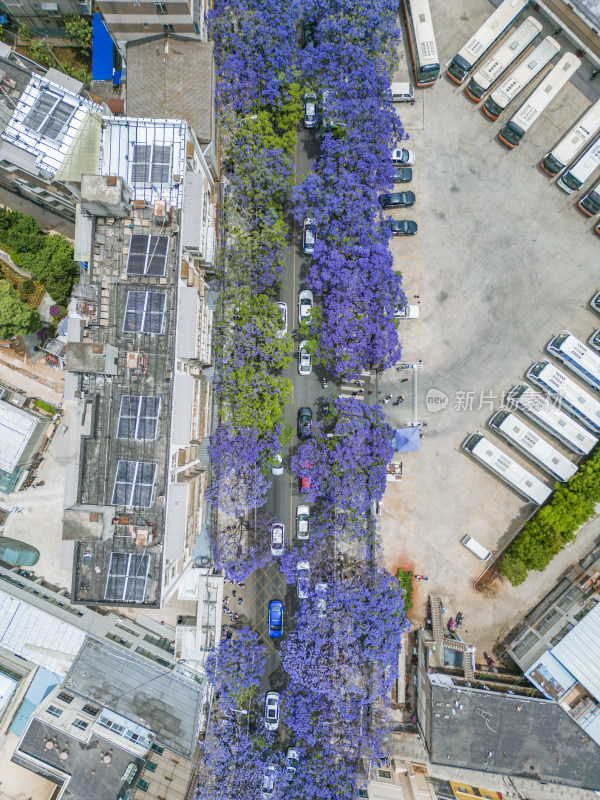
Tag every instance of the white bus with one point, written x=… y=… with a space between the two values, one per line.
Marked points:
x=421 y=40
x=532 y=445
x=506 y=468
x=487 y=36
x=520 y=77
x=535 y=105
x=550 y=417
x=590 y=202
x=582 y=170
x=576 y=400
x=501 y=59
x=572 y=142
x=577 y=356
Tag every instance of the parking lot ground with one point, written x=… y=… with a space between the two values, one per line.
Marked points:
x=502 y=261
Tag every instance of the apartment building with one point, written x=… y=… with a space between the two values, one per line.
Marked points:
x=46 y=18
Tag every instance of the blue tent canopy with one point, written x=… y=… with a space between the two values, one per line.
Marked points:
x=102 y=50
x=408 y=439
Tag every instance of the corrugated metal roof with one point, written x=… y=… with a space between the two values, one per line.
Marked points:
x=176 y=521
x=16 y=428
x=579 y=652
x=102 y=50
x=183 y=394
x=83 y=156
x=187 y=322
x=193 y=194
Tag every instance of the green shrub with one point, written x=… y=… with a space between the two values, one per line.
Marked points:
x=16 y=317
x=405 y=579
x=79 y=31
x=43 y=406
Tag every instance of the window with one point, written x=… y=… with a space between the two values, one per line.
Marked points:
x=160 y=8
x=91 y=710
x=546 y=623
x=147 y=255
x=143 y=652
x=127 y=577
x=54 y=711
x=128 y=630
x=143 y=785
x=134 y=484
x=118 y=639
x=363 y=793
x=151 y=162
x=145 y=312
x=112 y=725
x=384 y=773
x=150 y=765
x=79 y=723
x=157 y=748
x=66 y=698
x=50 y=115
x=168 y=29
x=526 y=643
x=138 y=418
x=573 y=596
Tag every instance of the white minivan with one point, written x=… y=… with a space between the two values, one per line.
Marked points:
x=477 y=549
x=403 y=93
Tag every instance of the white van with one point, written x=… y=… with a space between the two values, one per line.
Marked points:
x=403 y=93
x=477 y=549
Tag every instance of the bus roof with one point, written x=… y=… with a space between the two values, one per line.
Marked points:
x=573 y=141
x=491 y=29
x=586 y=163
x=545 y=93
x=508 y=52
x=525 y=72
x=578 y=400
x=577 y=352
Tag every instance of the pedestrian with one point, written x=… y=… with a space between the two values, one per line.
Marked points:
x=236 y=616
x=387 y=400
x=371 y=391
x=388 y=397
x=231 y=615
x=233 y=592
x=396 y=403
x=241 y=601
x=416 y=296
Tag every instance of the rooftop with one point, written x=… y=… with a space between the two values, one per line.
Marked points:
x=149 y=695
x=124 y=460
x=171 y=76
x=490 y=731
x=87 y=775
x=17 y=426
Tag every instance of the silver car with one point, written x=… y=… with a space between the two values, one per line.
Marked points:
x=272 y=711
x=310 y=110
x=309 y=236
x=302 y=522
x=277 y=539
x=305 y=304
x=304 y=358
x=283 y=311
x=302 y=579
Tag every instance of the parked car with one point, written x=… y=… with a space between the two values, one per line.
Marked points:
x=275 y=619
x=272 y=711
x=302 y=579
x=292 y=764
x=404 y=227
x=308 y=32
x=402 y=157
x=304 y=358
x=403 y=175
x=595 y=302
x=594 y=340
x=309 y=236
x=397 y=200
x=268 y=784
x=310 y=110
x=277 y=538
x=321 y=595
x=304 y=423
x=277 y=464
x=407 y=312
x=283 y=329
x=305 y=305
x=305 y=480
x=302 y=522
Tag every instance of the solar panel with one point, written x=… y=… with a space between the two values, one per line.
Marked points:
x=127 y=577
x=147 y=255
x=145 y=312
x=49 y=115
x=138 y=418
x=151 y=163
x=134 y=484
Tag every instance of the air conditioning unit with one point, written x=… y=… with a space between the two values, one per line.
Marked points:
x=161 y=209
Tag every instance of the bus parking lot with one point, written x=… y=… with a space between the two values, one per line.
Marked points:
x=503 y=260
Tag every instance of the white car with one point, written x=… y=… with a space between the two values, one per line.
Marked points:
x=304 y=358
x=292 y=764
x=309 y=236
x=305 y=304
x=272 y=711
x=302 y=579
x=402 y=157
x=595 y=302
x=283 y=310
x=277 y=539
x=277 y=465
x=407 y=312
x=594 y=340
x=302 y=522
x=268 y=784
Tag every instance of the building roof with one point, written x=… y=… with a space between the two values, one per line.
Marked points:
x=88 y=777
x=16 y=429
x=130 y=686
x=579 y=652
x=508 y=734
x=171 y=76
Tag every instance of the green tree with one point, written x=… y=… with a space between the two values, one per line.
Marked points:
x=41 y=53
x=79 y=31
x=16 y=317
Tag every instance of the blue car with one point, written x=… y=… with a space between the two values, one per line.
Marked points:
x=275 y=619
